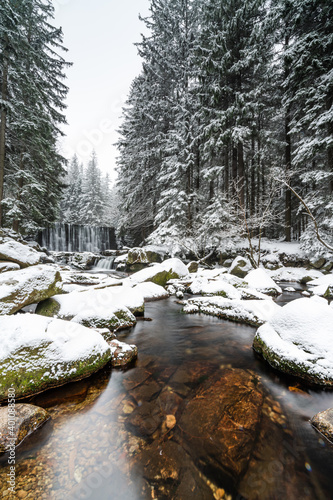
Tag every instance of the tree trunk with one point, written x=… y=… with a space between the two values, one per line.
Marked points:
x=287 y=139
x=240 y=173
x=3 y=130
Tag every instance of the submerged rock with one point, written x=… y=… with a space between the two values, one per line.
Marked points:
x=220 y=423
x=299 y=340
x=38 y=353
x=23 y=255
x=323 y=421
x=17 y=422
x=27 y=286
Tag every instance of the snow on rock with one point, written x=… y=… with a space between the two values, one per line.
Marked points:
x=159 y=273
x=296 y=274
x=298 y=340
x=322 y=286
x=8 y=266
x=260 y=280
x=323 y=421
x=240 y=266
x=23 y=255
x=253 y=312
x=204 y=286
x=38 y=353
x=27 y=286
x=122 y=354
x=112 y=307
x=151 y=291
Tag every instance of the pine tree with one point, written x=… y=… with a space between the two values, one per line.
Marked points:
x=34 y=96
x=92 y=210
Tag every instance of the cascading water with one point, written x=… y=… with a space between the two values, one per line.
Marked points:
x=75 y=238
x=105 y=264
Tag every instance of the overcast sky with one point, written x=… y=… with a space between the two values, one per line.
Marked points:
x=99 y=35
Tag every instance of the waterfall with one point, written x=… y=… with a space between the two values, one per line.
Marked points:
x=74 y=238
x=106 y=263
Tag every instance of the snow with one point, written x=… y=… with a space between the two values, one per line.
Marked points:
x=60 y=342
x=17 y=287
x=204 y=286
x=151 y=291
x=250 y=311
x=301 y=332
x=17 y=252
x=172 y=265
x=319 y=286
x=260 y=280
x=295 y=274
x=105 y=304
x=8 y=266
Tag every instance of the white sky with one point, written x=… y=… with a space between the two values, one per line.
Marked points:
x=99 y=36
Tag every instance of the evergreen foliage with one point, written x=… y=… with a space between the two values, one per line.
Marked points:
x=232 y=94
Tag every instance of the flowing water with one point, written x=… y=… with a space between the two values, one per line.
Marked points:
x=94 y=448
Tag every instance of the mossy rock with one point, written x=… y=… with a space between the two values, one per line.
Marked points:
x=193 y=267
x=163 y=277
x=319 y=263
x=240 y=267
x=27 y=286
x=47 y=353
x=49 y=308
x=329 y=293
x=143 y=256
x=285 y=365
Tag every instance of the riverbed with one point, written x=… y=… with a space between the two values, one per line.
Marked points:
x=120 y=434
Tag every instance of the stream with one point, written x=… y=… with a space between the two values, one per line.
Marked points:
x=125 y=435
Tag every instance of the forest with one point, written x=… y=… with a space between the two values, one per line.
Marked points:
x=233 y=106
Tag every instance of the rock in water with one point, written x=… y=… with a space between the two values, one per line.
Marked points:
x=122 y=354
x=221 y=422
x=21 y=254
x=27 y=418
x=38 y=353
x=323 y=421
x=27 y=286
x=298 y=340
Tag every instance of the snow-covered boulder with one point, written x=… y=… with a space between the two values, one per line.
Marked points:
x=298 y=340
x=240 y=267
x=203 y=286
x=252 y=312
x=322 y=286
x=159 y=273
x=271 y=261
x=259 y=280
x=142 y=256
x=113 y=307
x=8 y=266
x=151 y=291
x=23 y=255
x=38 y=353
x=297 y=274
x=27 y=286
x=28 y=418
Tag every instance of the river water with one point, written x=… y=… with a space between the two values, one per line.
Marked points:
x=108 y=437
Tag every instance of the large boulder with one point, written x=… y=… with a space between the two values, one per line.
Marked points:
x=27 y=286
x=38 y=353
x=111 y=307
x=17 y=421
x=252 y=312
x=159 y=273
x=138 y=258
x=23 y=255
x=240 y=267
x=259 y=280
x=298 y=340
x=224 y=417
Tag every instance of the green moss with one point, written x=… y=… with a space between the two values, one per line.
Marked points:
x=35 y=376
x=49 y=308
